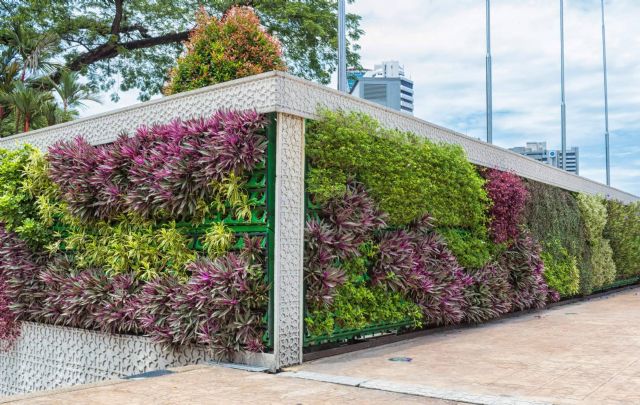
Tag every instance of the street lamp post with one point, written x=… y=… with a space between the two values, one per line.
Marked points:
x=563 y=107
x=606 y=98
x=342 y=47
x=489 y=78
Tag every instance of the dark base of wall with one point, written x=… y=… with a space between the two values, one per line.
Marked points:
x=334 y=349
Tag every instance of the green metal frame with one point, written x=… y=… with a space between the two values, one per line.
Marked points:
x=272 y=130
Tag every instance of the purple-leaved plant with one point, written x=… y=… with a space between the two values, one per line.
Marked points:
x=344 y=223
x=508 y=196
x=162 y=170
x=417 y=263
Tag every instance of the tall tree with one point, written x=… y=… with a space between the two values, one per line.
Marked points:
x=140 y=40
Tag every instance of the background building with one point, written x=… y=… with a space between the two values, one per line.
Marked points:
x=539 y=152
x=386 y=84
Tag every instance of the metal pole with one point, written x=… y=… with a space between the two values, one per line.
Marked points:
x=563 y=106
x=489 y=78
x=606 y=98
x=342 y=47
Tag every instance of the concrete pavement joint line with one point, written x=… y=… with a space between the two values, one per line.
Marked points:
x=417 y=390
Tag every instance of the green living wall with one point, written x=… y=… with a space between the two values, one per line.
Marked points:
x=163 y=233
x=403 y=232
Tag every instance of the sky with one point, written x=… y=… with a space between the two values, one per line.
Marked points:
x=441 y=44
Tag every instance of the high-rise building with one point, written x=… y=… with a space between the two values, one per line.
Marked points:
x=386 y=84
x=539 y=152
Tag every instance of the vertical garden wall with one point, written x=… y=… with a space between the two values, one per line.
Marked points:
x=265 y=215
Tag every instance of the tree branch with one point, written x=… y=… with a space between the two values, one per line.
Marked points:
x=115 y=25
x=111 y=50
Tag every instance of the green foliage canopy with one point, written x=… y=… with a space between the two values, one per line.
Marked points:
x=139 y=40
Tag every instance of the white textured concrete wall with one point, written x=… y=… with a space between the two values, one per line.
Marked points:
x=47 y=357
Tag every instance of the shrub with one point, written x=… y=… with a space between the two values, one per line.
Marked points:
x=222 y=305
x=472 y=249
x=25 y=191
x=406 y=175
x=141 y=248
x=623 y=233
x=508 y=196
x=552 y=214
x=594 y=213
x=220 y=50
x=489 y=295
x=9 y=325
x=560 y=269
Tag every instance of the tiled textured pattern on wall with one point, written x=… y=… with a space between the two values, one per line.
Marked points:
x=47 y=357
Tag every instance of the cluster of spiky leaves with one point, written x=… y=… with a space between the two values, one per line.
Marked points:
x=88 y=299
x=489 y=296
x=416 y=262
x=508 y=198
x=222 y=305
x=163 y=171
x=9 y=326
x=342 y=225
x=224 y=49
x=525 y=270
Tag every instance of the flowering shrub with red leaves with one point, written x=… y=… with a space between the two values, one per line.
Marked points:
x=417 y=263
x=162 y=171
x=224 y=49
x=509 y=197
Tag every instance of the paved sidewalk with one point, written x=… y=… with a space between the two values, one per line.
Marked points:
x=584 y=353
x=217 y=385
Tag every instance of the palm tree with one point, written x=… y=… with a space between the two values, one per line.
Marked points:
x=27 y=104
x=33 y=50
x=72 y=93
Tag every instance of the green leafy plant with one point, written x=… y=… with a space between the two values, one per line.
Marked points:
x=218 y=240
x=408 y=176
x=560 y=269
x=623 y=232
x=358 y=305
x=472 y=249
x=27 y=196
x=134 y=246
x=594 y=214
